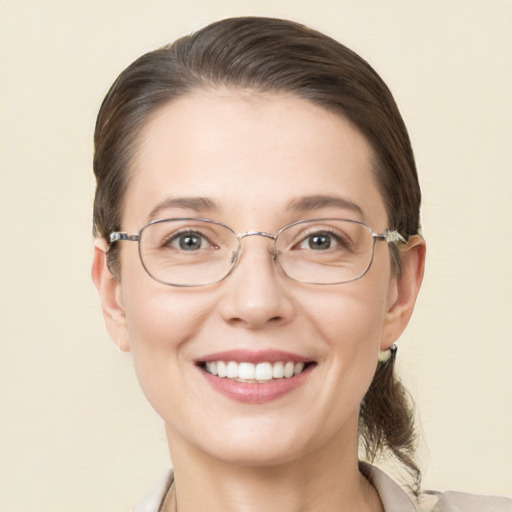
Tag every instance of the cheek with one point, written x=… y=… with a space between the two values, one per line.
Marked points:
x=161 y=319
x=354 y=336
x=160 y=326
x=160 y=322
x=351 y=318
x=350 y=322
x=158 y=317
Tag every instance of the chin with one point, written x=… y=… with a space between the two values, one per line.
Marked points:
x=274 y=454
x=250 y=443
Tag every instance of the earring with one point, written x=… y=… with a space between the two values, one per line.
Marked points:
x=386 y=355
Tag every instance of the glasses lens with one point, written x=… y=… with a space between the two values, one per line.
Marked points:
x=188 y=252
x=325 y=251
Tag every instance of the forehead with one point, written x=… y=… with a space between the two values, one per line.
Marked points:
x=249 y=152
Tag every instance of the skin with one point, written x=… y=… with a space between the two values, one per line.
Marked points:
x=253 y=154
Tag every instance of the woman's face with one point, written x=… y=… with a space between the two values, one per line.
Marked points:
x=253 y=162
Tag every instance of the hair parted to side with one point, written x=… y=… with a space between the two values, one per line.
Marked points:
x=272 y=55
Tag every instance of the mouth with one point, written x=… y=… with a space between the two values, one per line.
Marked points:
x=255 y=377
x=257 y=373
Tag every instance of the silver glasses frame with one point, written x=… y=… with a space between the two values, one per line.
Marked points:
x=390 y=236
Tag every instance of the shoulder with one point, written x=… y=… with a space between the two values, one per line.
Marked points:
x=152 y=502
x=453 y=501
x=395 y=499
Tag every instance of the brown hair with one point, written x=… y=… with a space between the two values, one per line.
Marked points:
x=266 y=54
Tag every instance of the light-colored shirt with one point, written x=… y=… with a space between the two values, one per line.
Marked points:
x=393 y=497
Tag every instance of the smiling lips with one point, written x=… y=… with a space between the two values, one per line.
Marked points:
x=255 y=377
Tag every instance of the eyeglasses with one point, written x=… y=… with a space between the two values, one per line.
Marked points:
x=198 y=252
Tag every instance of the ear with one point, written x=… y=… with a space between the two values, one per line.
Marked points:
x=109 y=290
x=404 y=288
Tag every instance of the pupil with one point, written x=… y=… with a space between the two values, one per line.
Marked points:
x=320 y=242
x=190 y=242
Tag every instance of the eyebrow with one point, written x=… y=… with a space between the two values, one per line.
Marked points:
x=198 y=204
x=302 y=204
x=318 y=202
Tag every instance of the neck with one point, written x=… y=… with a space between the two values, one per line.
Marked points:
x=326 y=480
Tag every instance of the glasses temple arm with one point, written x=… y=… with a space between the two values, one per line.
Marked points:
x=117 y=236
x=391 y=237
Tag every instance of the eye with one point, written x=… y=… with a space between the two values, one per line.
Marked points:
x=188 y=241
x=320 y=241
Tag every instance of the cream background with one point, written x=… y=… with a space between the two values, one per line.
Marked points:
x=75 y=431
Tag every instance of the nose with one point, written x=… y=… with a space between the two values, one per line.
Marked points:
x=256 y=294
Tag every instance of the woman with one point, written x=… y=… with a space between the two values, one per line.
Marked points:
x=258 y=251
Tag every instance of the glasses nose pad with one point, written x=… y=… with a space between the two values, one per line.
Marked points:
x=235 y=256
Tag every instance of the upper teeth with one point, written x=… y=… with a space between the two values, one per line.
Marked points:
x=254 y=372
